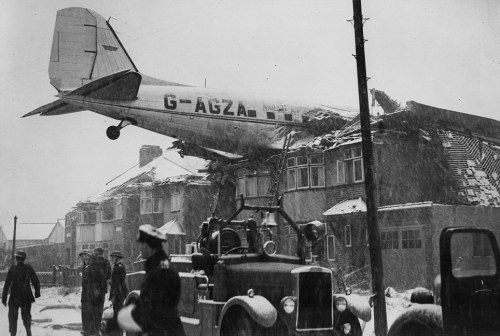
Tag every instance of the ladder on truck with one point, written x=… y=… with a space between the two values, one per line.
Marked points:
x=280 y=168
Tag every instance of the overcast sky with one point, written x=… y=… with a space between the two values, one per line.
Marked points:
x=444 y=53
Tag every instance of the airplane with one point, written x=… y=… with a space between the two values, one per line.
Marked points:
x=91 y=70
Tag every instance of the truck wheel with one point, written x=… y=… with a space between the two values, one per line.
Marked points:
x=239 y=323
x=419 y=320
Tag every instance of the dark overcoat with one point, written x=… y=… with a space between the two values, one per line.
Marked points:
x=118 y=291
x=18 y=283
x=156 y=309
x=93 y=284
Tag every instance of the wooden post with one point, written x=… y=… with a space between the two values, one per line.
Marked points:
x=14 y=241
x=380 y=314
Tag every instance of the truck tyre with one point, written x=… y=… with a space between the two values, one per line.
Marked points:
x=237 y=322
x=419 y=320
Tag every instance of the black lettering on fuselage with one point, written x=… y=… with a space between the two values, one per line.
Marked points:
x=213 y=106
x=200 y=106
x=241 y=109
x=228 y=106
x=170 y=102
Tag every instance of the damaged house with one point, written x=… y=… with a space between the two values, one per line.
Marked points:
x=164 y=190
x=432 y=168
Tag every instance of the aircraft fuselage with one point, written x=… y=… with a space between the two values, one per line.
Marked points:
x=205 y=117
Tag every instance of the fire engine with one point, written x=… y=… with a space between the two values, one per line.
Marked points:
x=230 y=288
x=466 y=296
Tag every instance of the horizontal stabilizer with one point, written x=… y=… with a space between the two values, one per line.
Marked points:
x=122 y=85
x=54 y=108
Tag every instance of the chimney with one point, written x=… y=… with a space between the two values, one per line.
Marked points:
x=147 y=153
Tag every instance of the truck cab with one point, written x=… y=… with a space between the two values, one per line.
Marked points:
x=233 y=288
x=466 y=298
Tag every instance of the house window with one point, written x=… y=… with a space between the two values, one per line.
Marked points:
x=305 y=172
x=254 y=183
x=157 y=205
x=240 y=187
x=348 y=241
x=340 y=172
x=86 y=217
x=251 y=186
x=112 y=209
x=175 y=199
x=317 y=171
x=150 y=203
x=330 y=247
x=389 y=240
x=481 y=246
x=118 y=207
x=291 y=174
x=353 y=166
x=411 y=239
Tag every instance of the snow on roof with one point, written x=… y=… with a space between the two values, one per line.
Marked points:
x=169 y=167
x=347 y=206
x=29 y=231
x=406 y=206
x=172 y=228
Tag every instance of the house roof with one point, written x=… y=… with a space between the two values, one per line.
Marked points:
x=169 y=167
x=29 y=231
x=172 y=228
x=346 y=207
x=358 y=205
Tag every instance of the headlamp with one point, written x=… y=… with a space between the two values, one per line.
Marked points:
x=340 y=304
x=288 y=304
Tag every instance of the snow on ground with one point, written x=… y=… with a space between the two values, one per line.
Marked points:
x=395 y=305
x=57 y=312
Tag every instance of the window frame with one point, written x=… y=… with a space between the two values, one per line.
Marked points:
x=147 y=203
x=414 y=240
x=347 y=228
x=332 y=238
x=299 y=174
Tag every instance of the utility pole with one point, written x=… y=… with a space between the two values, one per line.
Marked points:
x=380 y=314
x=14 y=240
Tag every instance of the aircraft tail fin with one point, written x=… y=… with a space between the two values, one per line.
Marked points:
x=84 y=48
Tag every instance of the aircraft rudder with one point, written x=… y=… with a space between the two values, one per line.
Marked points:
x=84 y=48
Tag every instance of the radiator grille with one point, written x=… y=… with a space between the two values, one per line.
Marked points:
x=315 y=301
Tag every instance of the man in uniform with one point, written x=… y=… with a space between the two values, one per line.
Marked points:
x=99 y=261
x=18 y=281
x=93 y=290
x=118 y=291
x=155 y=311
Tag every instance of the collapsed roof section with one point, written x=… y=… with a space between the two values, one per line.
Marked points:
x=471 y=145
x=165 y=169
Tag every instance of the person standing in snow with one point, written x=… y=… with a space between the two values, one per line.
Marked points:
x=155 y=311
x=93 y=291
x=105 y=266
x=17 y=283
x=118 y=291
